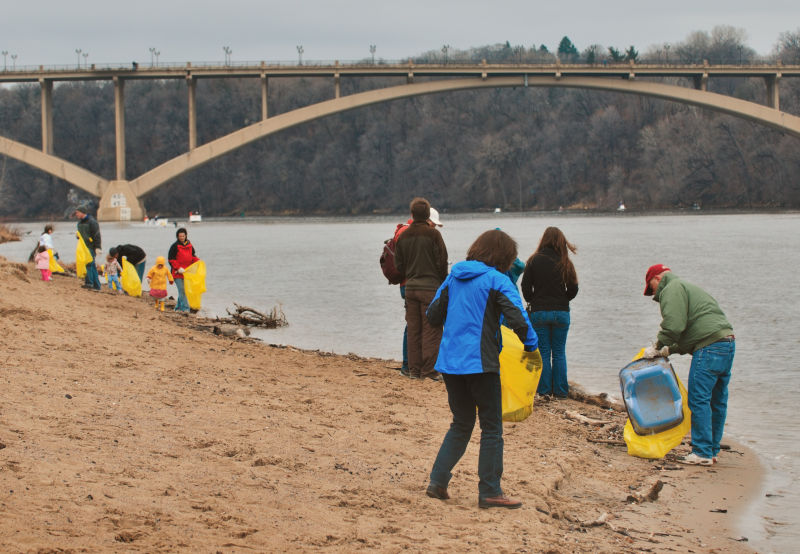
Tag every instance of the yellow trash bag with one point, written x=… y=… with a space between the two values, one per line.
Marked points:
x=82 y=256
x=657 y=445
x=518 y=379
x=194 y=281
x=130 y=279
x=54 y=267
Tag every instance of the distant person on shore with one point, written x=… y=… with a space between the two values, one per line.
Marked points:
x=470 y=304
x=134 y=254
x=181 y=255
x=434 y=221
x=157 y=277
x=693 y=323
x=113 y=269
x=549 y=283
x=89 y=230
x=42 y=261
x=421 y=257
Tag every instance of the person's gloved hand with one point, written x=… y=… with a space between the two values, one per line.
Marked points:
x=532 y=360
x=181 y=270
x=651 y=352
x=664 y=351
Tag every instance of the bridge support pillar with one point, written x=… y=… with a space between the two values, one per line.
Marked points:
x=773 y=91
x=47 y=115
x=192 y=84
x=119 y=123
x=264 y=93
x=119 y=203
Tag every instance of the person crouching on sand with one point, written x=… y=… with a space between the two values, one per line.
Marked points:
x=42 y=261
x=158 y=277
x=470 y=303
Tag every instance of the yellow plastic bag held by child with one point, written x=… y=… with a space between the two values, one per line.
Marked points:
x=54 y=266
x=194 y=281
x=130 y=279
x=519 y=376
x=82 y=256
x=658 y=444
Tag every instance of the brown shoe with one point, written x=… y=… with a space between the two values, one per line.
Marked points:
x=435 y=491
x=499 y=502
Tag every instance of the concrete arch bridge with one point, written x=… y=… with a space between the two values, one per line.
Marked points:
x=120 y=197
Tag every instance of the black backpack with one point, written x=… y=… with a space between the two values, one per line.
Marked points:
x=387 y=258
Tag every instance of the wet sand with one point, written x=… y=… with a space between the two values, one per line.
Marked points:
x=127 y=429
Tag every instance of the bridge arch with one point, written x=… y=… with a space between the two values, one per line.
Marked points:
x=186 y=162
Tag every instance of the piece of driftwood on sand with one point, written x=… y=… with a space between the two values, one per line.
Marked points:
x=245 y=315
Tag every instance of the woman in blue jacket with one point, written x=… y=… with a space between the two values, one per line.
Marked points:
x=470 y=304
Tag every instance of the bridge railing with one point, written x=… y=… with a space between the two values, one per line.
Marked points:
x=112 y=66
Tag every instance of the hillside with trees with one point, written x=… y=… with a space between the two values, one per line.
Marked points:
x=517 y=149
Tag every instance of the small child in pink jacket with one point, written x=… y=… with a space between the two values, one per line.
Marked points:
x=42 y=261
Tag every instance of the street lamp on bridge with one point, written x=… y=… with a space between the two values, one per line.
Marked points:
x=78 y=52
x=5 y=66
x=152 y=53
x=445 y=48
x=300 y=54
x=372 y=49
x=228 y=52
x=157 y=53
x=14 y=62
x=85 y=59
x=666 y=50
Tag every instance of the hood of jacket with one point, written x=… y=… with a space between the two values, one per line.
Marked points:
x=467 y=270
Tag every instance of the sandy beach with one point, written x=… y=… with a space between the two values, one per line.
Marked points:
x=127 y=429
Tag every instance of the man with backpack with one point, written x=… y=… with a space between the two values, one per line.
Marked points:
x=421 y=259
x=394 y=277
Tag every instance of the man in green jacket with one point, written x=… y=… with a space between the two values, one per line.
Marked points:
x=693 y=323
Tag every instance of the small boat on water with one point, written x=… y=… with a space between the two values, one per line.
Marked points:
x=195 y=217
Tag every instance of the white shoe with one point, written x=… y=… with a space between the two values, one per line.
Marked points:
x=695 y=460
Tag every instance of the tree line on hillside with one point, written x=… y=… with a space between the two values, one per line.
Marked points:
x=516 y=149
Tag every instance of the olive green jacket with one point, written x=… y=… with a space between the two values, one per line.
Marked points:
x=691 y=318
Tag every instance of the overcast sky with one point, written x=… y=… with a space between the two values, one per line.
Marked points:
x=48 y=32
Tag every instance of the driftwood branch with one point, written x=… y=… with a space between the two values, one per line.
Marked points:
x=607 y=441
x=575 y=416
x=245 y=315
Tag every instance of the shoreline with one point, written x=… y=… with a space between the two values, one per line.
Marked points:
x=122 y=424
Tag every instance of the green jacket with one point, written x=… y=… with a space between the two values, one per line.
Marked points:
x=691 y=318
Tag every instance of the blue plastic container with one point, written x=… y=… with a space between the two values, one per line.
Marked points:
x=651 y=395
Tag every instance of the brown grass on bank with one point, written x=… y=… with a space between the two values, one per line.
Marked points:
x=7 y=234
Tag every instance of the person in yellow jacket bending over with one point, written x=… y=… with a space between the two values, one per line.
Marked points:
x=158 y=277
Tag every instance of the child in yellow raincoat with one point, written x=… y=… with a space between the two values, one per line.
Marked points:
x=158 y=277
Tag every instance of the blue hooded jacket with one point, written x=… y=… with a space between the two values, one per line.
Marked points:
x=469 y=303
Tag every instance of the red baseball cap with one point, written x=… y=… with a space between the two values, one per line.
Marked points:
x=652 y=271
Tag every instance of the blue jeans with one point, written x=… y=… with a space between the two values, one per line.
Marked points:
x=182 y=305
x=465 y=393
x=405 y=331
x=709 y=375
x=92 y=278
x=114 y=280
x=552 y=327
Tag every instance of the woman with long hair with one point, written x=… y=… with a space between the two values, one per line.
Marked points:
x=548 y=284
x=470 y=304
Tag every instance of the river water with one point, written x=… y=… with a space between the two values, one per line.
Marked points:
x=324 y=274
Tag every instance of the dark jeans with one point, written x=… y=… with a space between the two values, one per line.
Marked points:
x=405 y=331
x=92 y=278
x=709 y=375
x=465 y=393
x=423 y=338
x=552 y=328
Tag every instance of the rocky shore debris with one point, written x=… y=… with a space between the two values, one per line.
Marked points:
x=245 y=315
